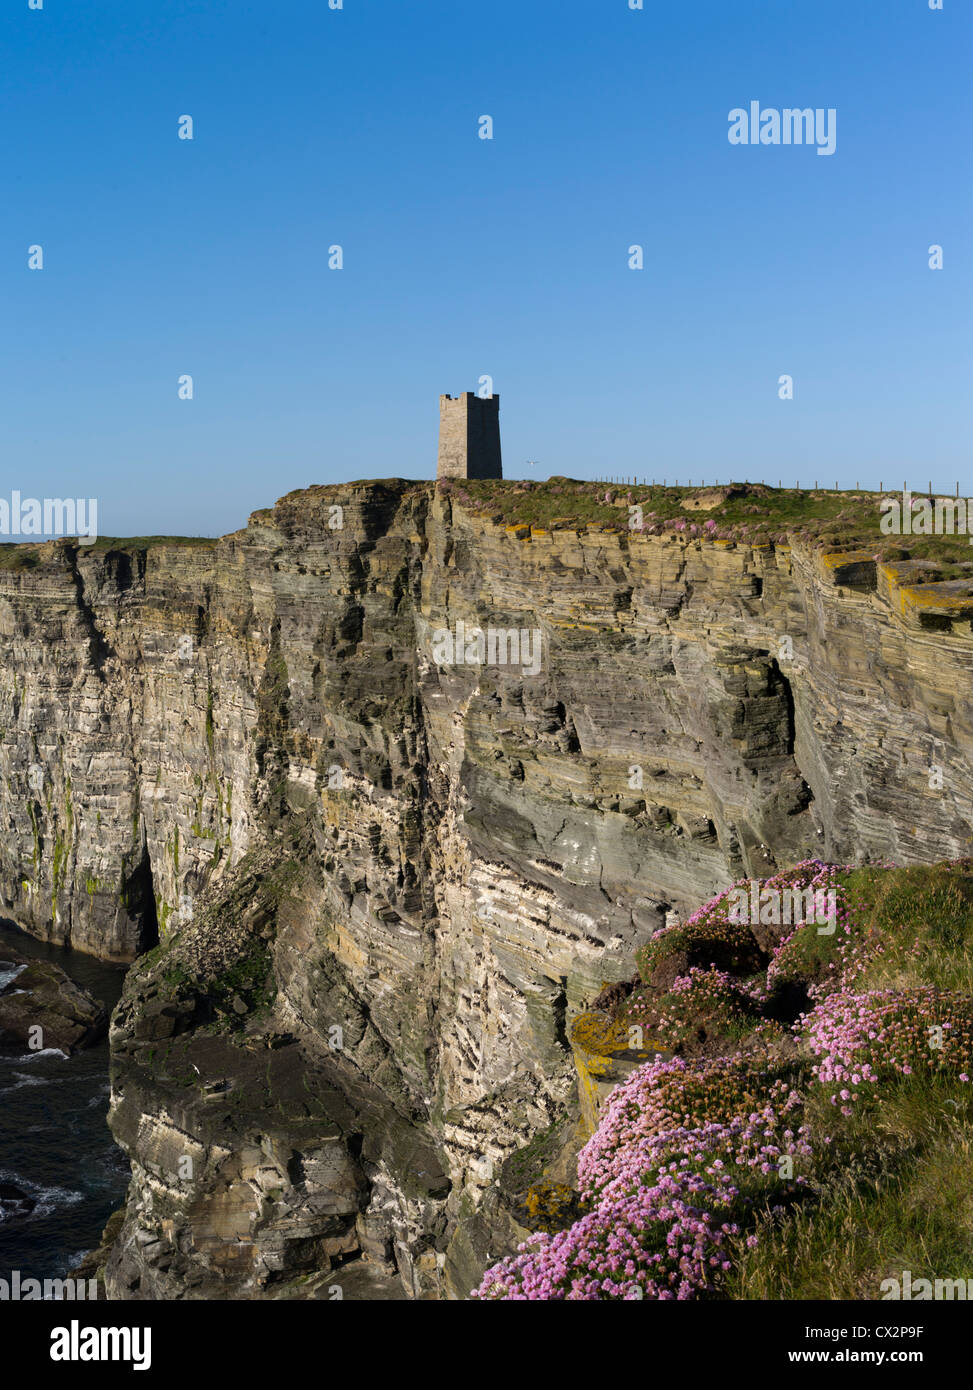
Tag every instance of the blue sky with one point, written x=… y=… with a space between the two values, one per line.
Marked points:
x=466 y=257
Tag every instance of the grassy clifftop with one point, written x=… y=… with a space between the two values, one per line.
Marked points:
x=750 y=512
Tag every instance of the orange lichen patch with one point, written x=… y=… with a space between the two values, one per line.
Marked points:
x=597 y=1078
x=598 y=1034
x=939 y=596
x=518 y=533
x=835 y=559
x=889 y=579
x=551 y=1206
x=937 y=605
x=596 y=1042
x=922 y=596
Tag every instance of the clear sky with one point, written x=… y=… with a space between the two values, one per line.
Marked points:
x=466 y=257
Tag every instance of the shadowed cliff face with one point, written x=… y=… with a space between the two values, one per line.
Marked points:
x=384 y=885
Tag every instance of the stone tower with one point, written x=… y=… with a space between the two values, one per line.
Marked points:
x=469 y=437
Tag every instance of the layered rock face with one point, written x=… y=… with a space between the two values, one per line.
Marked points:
x=399 y=789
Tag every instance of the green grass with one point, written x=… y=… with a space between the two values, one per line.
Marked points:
x=896 y=1196
x=891 y=1185
x=710 y=940
x=831 y=520
x=18 y=557
x=922 y=921
x=807 y=955
x=147 y=542
x=26 y=555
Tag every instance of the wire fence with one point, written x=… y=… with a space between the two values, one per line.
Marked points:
x=748 y=482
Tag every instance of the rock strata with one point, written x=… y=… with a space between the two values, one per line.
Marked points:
x=380 y=888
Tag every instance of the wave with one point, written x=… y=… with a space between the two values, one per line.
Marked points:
x=48 y=1199
x=21 y=1080
x=42 y=1052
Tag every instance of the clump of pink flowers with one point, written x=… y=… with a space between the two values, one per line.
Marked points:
x=685 y=1149
x=702 y=993
x=863 y=1039
x=661 y=1239
x=712 y=925
x=665 y=1188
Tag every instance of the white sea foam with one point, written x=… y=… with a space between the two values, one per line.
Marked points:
x=48 y=1199
x=20 y=1079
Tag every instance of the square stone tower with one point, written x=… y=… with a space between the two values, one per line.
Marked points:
x=469 y=437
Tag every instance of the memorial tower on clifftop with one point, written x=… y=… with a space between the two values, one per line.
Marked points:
x=469 y=437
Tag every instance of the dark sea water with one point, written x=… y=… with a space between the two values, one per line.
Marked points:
x=55 y=1143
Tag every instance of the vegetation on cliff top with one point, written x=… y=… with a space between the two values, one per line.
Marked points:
x=748 y=512
x=811 y=1144
x=26 y=555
